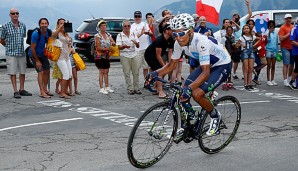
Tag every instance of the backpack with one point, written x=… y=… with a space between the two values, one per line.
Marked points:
x=30 y=32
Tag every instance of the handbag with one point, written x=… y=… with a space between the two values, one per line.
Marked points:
x=53 y=49
x=115 y=51
x=80 y=65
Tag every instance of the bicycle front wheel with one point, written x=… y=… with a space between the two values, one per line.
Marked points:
x=230 y=110
x=152 y=135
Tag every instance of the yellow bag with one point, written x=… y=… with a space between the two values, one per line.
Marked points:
x=115 y=51
x=52 y=50
x=80 y=65
x=56 y=71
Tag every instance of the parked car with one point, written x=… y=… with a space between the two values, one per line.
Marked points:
x=3 y=57
x=84 y=35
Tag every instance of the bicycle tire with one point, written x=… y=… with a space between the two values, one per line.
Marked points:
x=156 y=140
x=230 y=110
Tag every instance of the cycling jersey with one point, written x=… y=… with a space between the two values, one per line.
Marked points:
x=205 y=50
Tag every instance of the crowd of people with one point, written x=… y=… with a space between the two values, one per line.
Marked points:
x=149 y=45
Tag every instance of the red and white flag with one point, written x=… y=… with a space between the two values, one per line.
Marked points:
x=210 y=9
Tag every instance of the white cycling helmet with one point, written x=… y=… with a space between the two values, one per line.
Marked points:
x=182 y=21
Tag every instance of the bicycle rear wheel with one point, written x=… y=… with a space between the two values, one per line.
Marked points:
x=152 y=135
x=230 y=110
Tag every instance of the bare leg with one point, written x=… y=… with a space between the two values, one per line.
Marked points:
x=22 y=81
x=13 y=79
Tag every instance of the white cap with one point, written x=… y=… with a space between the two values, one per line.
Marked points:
x=288 y=16
x=195 y=16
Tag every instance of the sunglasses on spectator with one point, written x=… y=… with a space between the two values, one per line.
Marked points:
x=289 y=18
x=14 y=13
x=138 y=16
x=126 y=26
x=180 y=34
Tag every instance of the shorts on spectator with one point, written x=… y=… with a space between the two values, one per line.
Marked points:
x=16 y=64
x=140 y=55
x=247 y=54
x=44 y=62
x=287 y=57
x=263 y=61
x=270 y=54
x=236 y=56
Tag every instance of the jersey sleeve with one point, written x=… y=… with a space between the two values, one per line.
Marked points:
x=293 y=34
x=177 y=51
x=34 y=37
x=204 y=52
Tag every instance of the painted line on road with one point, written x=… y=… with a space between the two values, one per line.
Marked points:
x=40 y=123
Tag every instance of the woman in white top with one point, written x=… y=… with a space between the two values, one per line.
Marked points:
x=64 y=60
x=127 y=42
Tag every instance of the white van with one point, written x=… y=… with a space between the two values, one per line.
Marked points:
x=261 y=19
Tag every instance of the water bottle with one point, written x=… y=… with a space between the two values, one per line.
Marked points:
x=189 y=109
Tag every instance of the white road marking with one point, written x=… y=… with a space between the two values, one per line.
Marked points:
x=40 y=123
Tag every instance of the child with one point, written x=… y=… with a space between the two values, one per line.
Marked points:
x=260 y=56
x=247 y=55
x=271 y=50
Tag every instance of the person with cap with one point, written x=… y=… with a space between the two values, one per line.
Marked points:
x=286 y=48
x=294 y=41
x=103 y=43
x=156 y=50
x=215 y=67
x=142 y=30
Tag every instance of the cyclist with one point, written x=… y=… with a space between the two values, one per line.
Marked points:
x=215 y=66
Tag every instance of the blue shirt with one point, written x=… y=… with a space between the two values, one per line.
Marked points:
x=203 y=30
x=40 y=44
x=14 y=39
x=272 y=44
x=294 y=37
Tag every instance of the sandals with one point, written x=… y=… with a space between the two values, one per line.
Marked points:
x=57 y=91
x=65 y=97
x=45 y=96
x=77 y=92
x=49 y=93
x=164 y=97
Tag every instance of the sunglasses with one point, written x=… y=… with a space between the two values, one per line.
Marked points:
x=289 y=18
x=126 y=26
x=180 y=34
x=14 y=13
x=138 y=16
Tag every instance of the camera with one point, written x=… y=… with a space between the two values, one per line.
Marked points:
x=68 y=27
x=236 y=20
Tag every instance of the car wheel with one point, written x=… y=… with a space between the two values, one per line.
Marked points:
x=29 y=60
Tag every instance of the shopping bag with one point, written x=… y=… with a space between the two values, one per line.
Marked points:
x=53 y=49
x=278 y=57
x=80 y=65
x=115 y=51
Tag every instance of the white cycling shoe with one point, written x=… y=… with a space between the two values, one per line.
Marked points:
x=214 y=125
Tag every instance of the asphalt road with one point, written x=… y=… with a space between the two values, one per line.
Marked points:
x=90 y=132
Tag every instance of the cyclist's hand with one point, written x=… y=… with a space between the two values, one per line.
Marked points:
x=151 y=78
x=186 y=94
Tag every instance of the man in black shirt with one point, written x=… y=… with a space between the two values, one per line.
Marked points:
x=155 y=51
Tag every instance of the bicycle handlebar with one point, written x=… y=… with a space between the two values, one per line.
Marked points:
x=148 y=84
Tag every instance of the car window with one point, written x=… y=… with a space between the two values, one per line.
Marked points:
x=279 y=18
x=82 y=26
x=114 y=26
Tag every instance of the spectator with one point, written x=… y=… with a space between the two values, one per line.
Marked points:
x=141 y=29
x=75 y=75
x=150 y=21
x=196 y=19
x=166 y=15
x=237 y=25
x=247 y=55
x=286 y=49
x=260 y=55
x=156 y=50
x=127 y=42
x=103 y=41
x=41 y=63
x=64 y=60
x=271 y=50
x=12 y=38
x=294 y=41
x=231 y=47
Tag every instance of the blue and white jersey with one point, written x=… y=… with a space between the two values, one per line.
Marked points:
x=205 y=50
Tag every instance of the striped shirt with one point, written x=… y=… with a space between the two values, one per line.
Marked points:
x=14 y=39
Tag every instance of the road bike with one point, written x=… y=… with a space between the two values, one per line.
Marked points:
x=154 y=132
